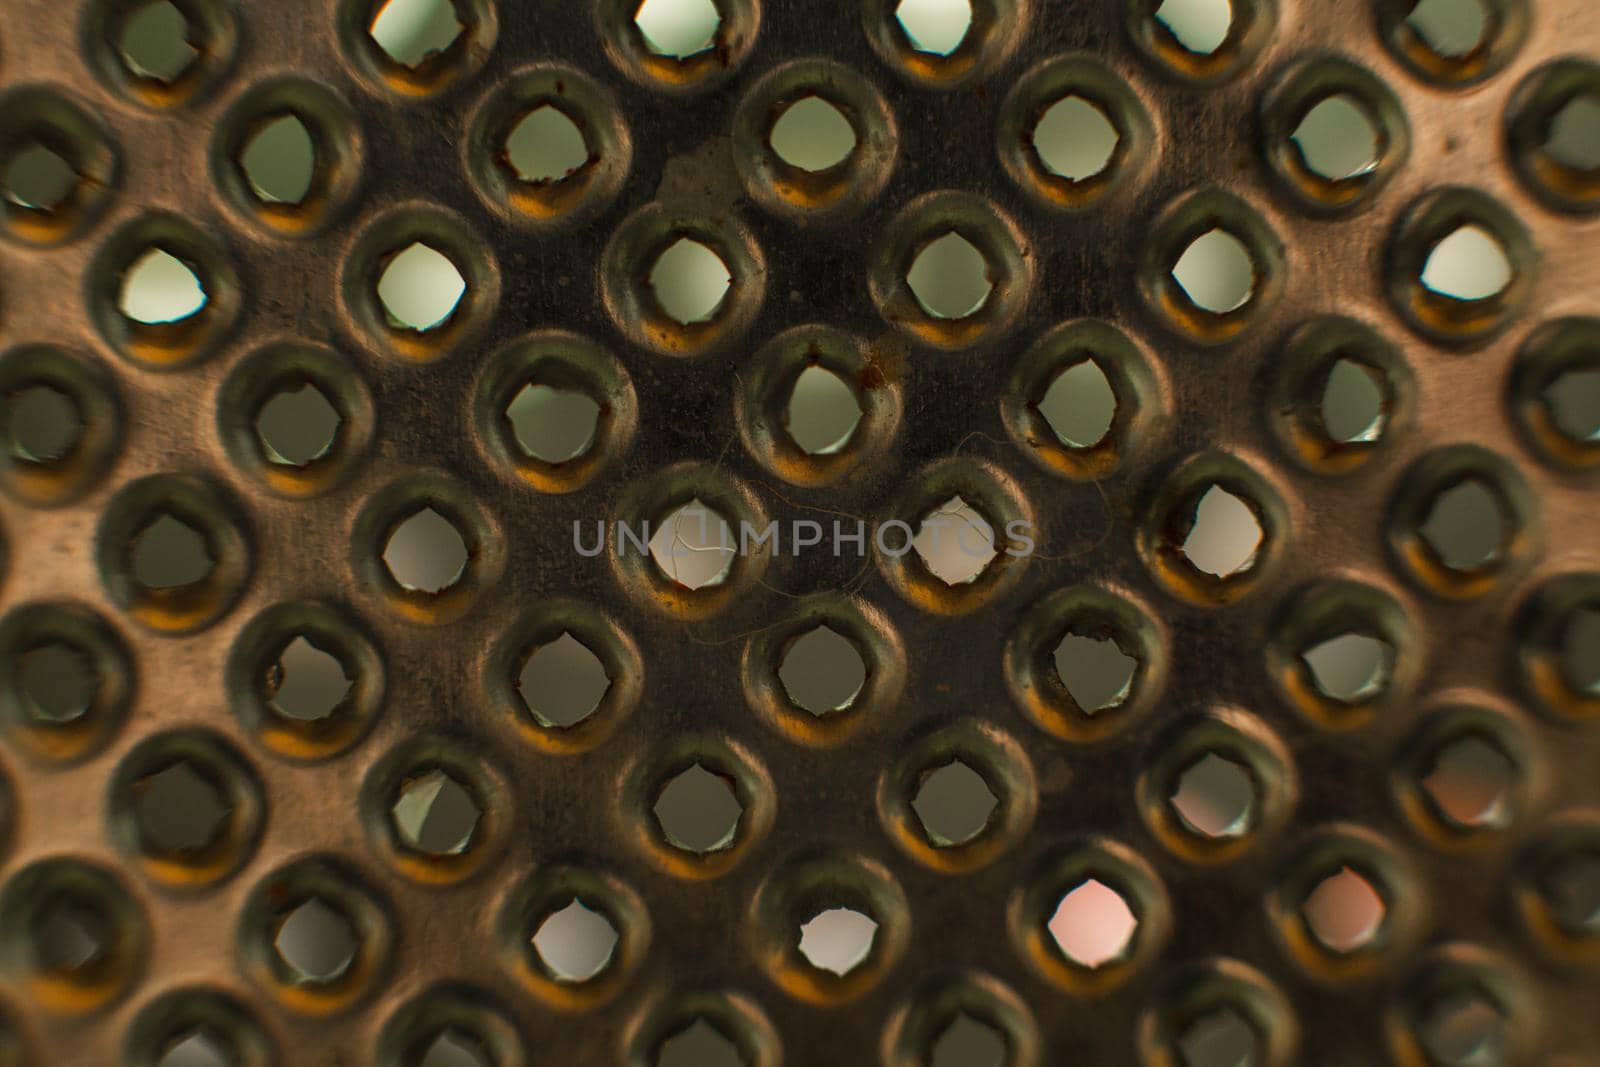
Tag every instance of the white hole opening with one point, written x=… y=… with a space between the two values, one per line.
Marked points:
x=1574 y=138
x=1469 y=264
x=1465 y=527
x=690 y=282
x=1344 y=911
x=553 y=425
x=1200 y=26
x=160 y=287
x=420 y=289
x=1337 y=140
x=1215 y=797
x=1350 y=667
x=1080 y=405
x=950 y=278
x=822 y=671
x=678 y=28
x=1216 y=272
x=936 y=27
x=563 y=682
x=955 y=542
x=823 y=412
x=813 y=135
x=575 y=943
x=412 y=31
x=1075 y=139
x=1093 y=925
x=546 y=146
x=1226 y=535
x=306 y=683
x=1470 y=783
x=1451 y=28
x=694 y=546
x=837 y=940
x=426 y=553
x=280 y=161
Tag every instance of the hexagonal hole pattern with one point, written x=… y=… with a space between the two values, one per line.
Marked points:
x=420 y=288
x=316 y=943
x=690 y=282
x=38 y=179
x=1216 y=272
x=955 y=542
x=823 y=412
x=812 y=135
x=1344 y=912
x=562 y=682
x=411 y=31
x=58 y=682
x=966 y=1042
x=1452 y=29
x=1226 y=534
x=949 y=277
x=1350 y=667
x=1465 y=527
x=280 y=160
x=154 y=42
x=699 y=1045
x=1074 y=139
x=837 y=940
x=1468 y=264
x=1214 y=797
x=1336 y=138
x=698 y=810
x=1079 y=405
x=158 y=287
x=575 y=943
x=936 y=27
x=953 y=803
x=545 y=146
x=553 y=425
x=1093 y=925
x=306 y=683
x=1469 y=783
x=1220 y=1038
x=425 y=553
x=170 y=554
x=822 y=671
x=1095 y=671
x=435 y=814
x=297 y=426
x=1574 y=137
x=178 y=809
x=678 y=28
x=694 y=546
x=1200 y=26
x=1354 y=403
x=1465 y=1030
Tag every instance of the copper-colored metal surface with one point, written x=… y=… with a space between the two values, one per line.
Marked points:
x=680 y=149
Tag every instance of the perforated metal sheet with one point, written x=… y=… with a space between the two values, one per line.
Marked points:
x=680 y=149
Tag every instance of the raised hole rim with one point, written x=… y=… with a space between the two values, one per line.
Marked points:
x=1570 y=833
x=1442 y=728
x=992 y=35
x=1452 y=970
x=549 y=890
x=377 y=69
x=1540 y=630
x=1199 y=991
x=1535 y=103
x=1310 y=353
x=198 y=1008
x=844 y=188
x=226 y=772
x=92 y=390
x=1552 y=350
x=1251 y=25
x=411 y=1029
x=1170 y=516
x=561 y=360
x=213 y=32
x=730 y=1012
x=1329 y=608
x=27 y=897
x=1304 y=88
x=1008 y=268
x=484 y=784
x=626 y=47
x=30 y=626
x=394 y=504
x=45 y=117
x=1503 y=35
x=1088 y=78
x=921 y=1020
x=748 y=781
x=1178 y=225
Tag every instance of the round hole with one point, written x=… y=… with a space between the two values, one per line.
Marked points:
x=1554 y=126
x=1345 y=905
x=962 y=1020
x=1555 y=392
x=1453 y=42
x=1214 y=529
x=574 y=935
x=65 y=679
x=1464 y=774
x=452 y=1025
x=416 y=47
x=943 y=44
x=1341 y=394
x=1343 y=652
x=1333 y=134
x=60 y=423
x=161 y=53
x=1460 y=266
x=1202 y=41
x=434 y=812
x=58 y=167
x=698 y=811
x=1461 y=521
x=697 y=806
x=426 y=547
x=1557 y=892
x=1211 y=266
x=958 y=797
x=705 y=1028
x=678 y=45
x=73 y=933
x=198 y=1028
x=1558 y=646
x=1221 y=1013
